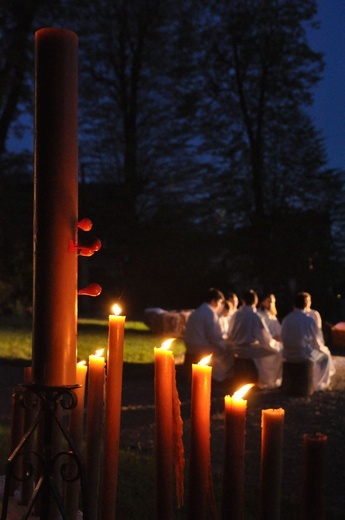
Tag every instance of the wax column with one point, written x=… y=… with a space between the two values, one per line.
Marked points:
x=314 y=476
x=200 y=455
x=94 y=429
x=112 y=415
x=164 y=367
x=233 y=475
x=76 y=431
x=55 y=207
x=272 y=423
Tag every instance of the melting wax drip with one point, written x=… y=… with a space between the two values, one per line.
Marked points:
x=85 y=224
x=88 y=250
x=94 y=289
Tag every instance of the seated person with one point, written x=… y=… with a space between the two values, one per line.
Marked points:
x=203 y=336
x=224 y=316
x=302 y=340
x=268 y=313
x=251 y=339
x=229 y=309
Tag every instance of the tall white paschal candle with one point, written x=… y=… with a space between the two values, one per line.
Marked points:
x=55 y=207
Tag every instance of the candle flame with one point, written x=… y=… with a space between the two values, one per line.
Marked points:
x=167 y=343
x=99 y=352
x=81 y=363
x=116 y=309
x=242 y=391
x=205 y=361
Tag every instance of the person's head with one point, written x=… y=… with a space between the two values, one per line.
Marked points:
x=268 y=303
x=250 y=298
x=233 y=300
x=302 y=300
x=226 y=309
x=215 y=298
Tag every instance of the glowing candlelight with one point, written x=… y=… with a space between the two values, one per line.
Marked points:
x=94 y=428
x=164 y=371
x=116 y=309
x=200 y=490
x=272 y=423
x=112 y=412
x=233 y=475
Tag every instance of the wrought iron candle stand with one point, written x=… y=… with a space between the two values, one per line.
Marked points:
x=67 y=463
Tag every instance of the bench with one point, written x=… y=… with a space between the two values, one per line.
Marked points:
x=298 y=378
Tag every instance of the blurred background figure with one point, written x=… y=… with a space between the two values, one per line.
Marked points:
x=268 y=313
x=302 y=340
x=203 y=336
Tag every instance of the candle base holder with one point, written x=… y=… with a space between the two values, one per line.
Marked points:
x=54 y=467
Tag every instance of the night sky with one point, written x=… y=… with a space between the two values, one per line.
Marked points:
x=329 y=107
x=328 y=110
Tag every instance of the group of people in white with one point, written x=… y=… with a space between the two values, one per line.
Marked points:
x=219 y=326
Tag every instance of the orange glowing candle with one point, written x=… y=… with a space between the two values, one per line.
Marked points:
x=112 y=413
x=164 y=370
x=233 y=475
x=314 y=476
x=272 y=424
x=94 y=428
x=76 y=432
x=54 y=348
x=200 y=454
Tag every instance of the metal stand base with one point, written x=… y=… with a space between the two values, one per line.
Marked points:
x=52 y=467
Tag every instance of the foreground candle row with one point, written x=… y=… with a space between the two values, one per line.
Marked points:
x=201 y=502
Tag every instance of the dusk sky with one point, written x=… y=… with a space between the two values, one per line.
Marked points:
x=329 y=107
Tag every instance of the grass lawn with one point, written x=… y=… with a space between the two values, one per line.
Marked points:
x=16 y=339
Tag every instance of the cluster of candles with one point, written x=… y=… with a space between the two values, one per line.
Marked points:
x=104 y=377
x=201 y=502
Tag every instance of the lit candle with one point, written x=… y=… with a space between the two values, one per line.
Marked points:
x=55 y=207
x=272 y=424
x=200 y=455
x=76 y=431
x=112 y=413
x=314 y=476
x=164 y=367
x=233 y=475
x=94 y=429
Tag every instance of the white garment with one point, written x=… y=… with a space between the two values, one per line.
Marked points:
x=224 y=325
x=252 y=339
x=315 y=315
x=203 y=336
x=302 y=340
x=271 y=321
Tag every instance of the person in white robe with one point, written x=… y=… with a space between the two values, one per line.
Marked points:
x=203 y=336
x=251 y=338
x=224 y=317
x=302 y=340
x=268 y=313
